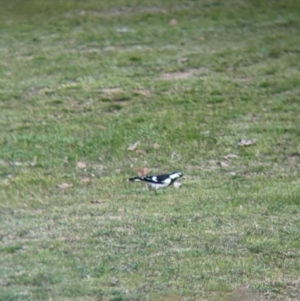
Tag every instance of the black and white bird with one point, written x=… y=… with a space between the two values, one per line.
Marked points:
x=159 y=181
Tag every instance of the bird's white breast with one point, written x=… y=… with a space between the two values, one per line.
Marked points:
x=163 y=184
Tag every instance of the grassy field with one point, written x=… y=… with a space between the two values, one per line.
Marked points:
x=215 y=93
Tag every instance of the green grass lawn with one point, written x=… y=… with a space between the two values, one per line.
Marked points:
x=81 y=81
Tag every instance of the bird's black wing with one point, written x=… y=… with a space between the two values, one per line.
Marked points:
x=155 y=179
x=162 y=178
x=150 y=179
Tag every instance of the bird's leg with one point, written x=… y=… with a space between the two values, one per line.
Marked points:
x=155 y=191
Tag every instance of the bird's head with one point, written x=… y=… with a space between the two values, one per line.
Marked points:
x=176 y=175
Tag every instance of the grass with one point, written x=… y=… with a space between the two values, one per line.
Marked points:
x=82 y=81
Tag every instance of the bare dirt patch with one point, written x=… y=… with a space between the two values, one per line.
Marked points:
x=242 y=79
x=143 y=92
x=110 y=91
x=182 y=75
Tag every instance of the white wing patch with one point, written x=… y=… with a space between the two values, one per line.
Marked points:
x=174 y=176
x=154 y=179
x=167 y=181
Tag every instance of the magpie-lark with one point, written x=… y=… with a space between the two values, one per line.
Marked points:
x=159 y=181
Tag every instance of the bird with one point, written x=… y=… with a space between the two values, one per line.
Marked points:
x=158 y=181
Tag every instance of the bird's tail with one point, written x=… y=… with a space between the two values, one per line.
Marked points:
x=136 y=179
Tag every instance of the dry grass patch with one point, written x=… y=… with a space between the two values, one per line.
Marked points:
x=183 y=75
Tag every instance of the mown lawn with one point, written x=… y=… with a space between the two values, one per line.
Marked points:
x=210 y=88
